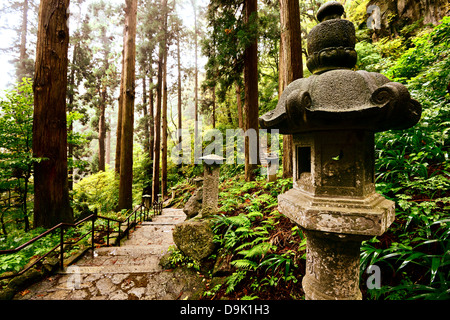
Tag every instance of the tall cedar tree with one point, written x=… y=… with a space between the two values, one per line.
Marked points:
x=197 y=144
x=23 y=57
x=179 y=104
x=51 y=199
x=120 y=104
x=26 y=9
x=290 y=64
x=159 y=84
x=251 y=93
x=103 y=102
x=128 y=94
x=164 y=120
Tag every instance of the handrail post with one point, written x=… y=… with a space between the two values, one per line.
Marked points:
x=118 y=235
x=93 y=227
x=107 y=234
x=61 y=257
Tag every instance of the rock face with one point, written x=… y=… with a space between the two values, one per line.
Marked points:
x=406 y=12
x=194 y=239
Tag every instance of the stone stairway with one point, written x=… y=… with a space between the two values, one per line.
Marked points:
x=128 y=272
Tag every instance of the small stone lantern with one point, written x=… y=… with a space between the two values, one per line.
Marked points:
x=333 y=115
x=272 y=166
x=211 y=166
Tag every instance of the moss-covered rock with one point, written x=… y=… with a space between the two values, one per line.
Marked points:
x=194 y=239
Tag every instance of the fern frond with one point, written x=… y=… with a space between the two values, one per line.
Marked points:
x=259 y=250
x=239 y=220
x=244 y=264
x=234 y=279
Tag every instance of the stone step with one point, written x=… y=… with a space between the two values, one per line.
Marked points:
x=158 y=223
x=131 y=251
x=112 y=269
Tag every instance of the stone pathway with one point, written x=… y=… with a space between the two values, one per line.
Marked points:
x=128 y=272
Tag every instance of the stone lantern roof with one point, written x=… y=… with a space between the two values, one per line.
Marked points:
x=335 y=97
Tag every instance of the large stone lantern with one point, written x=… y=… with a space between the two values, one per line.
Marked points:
x=333 y=115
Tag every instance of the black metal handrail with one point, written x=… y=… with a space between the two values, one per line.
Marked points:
x=143 y=215
x=60 y=245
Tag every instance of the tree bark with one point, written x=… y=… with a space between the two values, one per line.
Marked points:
x=51 y=199
x=21 y=70
x=71 y=96
x=197 y=145
x=213 y=89
x=145 y=114
x=126 y=153
x=251 y=96
x=157 y=145
x=239 y=106
x=179 y=105
x=102 y=107
x=164 y=122
x=290 y=65
x=120 y=103
x=102 y=131
x=108 y=142
x=152 y=117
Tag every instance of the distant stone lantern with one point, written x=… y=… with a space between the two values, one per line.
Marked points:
x=272 y=161
x=210 y=201
x=333 y=115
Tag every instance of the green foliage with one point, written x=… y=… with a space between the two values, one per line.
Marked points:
x=100 y=191
x=413 y=170
x=17 y=261
x=16 y=157
x=179 y=259
x=368 y=56
x=426 y=66
x=248 y=228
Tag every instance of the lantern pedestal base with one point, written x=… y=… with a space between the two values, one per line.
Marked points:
x=332 y=266
x=334 y=228
x=369 y=216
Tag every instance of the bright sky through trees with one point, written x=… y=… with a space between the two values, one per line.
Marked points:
x=7 y=37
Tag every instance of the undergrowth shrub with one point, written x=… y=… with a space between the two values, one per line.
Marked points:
x=266 y=247
x=413 y=170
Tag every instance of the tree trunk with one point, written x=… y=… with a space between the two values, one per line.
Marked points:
x=179 y=105
x=213 y=107
x=102 y=107
x=145 y=113
x=119 y=113
x=51 y=198
x=164 y=123
x=290 y=65
x=108 y=142
x=197 y=144
x=102 y=131
x=152 y=117
x=157 y=146
x=126 y=149
x=251 y=96
x=239 y=106
x=71 y=96
x=21 y=71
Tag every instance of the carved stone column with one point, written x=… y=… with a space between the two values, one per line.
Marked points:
x=210 y=184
